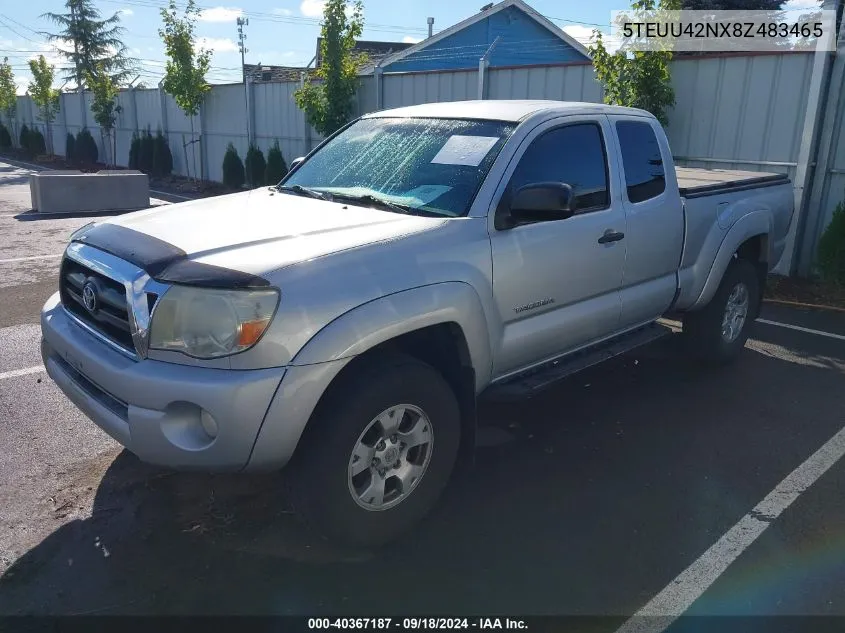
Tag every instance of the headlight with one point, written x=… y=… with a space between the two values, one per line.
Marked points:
x=209 y=323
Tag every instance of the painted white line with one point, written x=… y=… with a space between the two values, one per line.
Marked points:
x=21 y=372
x=802 y=329
x=28 y=259
x=172 y=195
x=679 y=594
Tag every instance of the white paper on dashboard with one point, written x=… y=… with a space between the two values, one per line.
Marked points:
x=424 y=194
x=465 y=150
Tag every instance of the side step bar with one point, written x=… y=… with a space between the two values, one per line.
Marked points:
x=535 y=380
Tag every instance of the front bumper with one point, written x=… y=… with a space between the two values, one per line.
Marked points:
x=157 y=410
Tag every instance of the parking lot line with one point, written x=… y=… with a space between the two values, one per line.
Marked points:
x=21 y=372
x=679 y=594
x=802 y=329
x=28 y=259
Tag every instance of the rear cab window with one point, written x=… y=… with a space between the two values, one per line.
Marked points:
x=645 y=177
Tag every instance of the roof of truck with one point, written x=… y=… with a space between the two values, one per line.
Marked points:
x=495 y=110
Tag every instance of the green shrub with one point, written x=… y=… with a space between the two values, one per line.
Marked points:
x=162 y=158
x=23 y=138
x=37 y=146
x=255 y=166
x=233 y=169
x=147 y=155
x=276 y=167
x=134 y=151
x=831 y=253
x=70 y=148
x=5 y=137
x=85 y=149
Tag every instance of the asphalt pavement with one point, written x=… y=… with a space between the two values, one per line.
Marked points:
x=591 y=499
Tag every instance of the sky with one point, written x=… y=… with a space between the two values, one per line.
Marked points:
x=280 y=32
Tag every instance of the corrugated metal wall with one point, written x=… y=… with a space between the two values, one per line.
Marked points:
x=732 y=111
x=575 y=82
x=404 y=89
x=740 y=112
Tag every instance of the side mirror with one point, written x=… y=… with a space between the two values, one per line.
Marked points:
x=295 y=163
x=542 y=202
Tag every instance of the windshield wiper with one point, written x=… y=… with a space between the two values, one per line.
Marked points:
x=304 y=191
x=374 y=201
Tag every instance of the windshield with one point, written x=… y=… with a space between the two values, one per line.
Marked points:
x=432 y=166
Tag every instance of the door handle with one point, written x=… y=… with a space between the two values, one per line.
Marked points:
x=611 y=236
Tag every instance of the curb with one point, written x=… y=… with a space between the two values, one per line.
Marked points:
x=798 y=304
x=28 y=164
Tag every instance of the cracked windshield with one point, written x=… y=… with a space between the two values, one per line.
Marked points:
x=422 y=166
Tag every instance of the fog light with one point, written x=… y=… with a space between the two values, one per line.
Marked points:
x=209 y=424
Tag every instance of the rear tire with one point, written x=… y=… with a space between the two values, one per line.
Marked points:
x=347 y=435
x=717 y=333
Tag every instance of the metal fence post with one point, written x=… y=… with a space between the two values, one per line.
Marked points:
x=204 y=170
x=483 y=65
x=306 y=132
x=250 y=114
x=806 y=240
x=64 y=120
x=804 y=173
x=378 y=76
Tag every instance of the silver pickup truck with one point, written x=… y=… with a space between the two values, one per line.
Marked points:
x=343 y=323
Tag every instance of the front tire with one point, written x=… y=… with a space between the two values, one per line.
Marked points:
x=377 y=453
x=717 y=333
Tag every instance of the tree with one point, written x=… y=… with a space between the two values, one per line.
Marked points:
x=70 y=148
x=328 y=105
x=85 y=148
x=104 y=105
x=162 y=158
x=96 y=43
x=831 y=251
x=255 y=166
x=5 y=137
x=186 y=68
x=43 y=94
x=23 y=139
x=233 y=169
x=8 y=94
x=276 y=168
x=638 y=79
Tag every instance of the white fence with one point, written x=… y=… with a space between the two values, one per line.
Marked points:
x=733 y=111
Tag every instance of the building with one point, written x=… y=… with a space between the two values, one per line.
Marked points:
x=510 y=33
x=372 y=52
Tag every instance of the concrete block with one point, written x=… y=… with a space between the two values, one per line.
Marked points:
x=75 y=192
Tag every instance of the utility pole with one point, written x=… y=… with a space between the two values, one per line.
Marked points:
x=242 y=22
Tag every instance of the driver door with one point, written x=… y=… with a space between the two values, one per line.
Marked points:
x=557 y=283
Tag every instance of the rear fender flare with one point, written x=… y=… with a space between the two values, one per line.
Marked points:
x=750 y=225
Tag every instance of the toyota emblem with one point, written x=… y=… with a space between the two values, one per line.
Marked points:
x=89 y=297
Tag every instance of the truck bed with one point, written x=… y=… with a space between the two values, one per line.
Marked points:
x=695 y=182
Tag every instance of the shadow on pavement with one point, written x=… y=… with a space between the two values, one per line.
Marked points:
x=595 y=495
x=13 y=180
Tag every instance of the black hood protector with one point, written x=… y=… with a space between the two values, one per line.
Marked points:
x=163 y=261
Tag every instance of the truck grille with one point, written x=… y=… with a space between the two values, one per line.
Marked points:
x=110 y=316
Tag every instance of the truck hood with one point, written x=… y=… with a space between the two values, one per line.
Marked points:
x=262 y=230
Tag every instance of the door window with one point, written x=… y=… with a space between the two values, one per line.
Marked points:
x=572 y=154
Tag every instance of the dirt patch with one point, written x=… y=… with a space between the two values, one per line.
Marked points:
x=807 y=291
